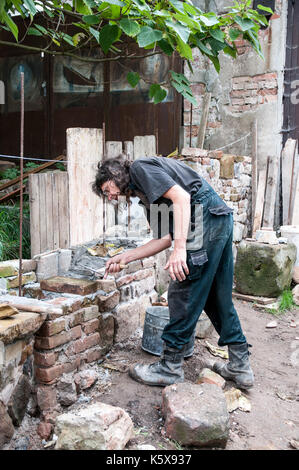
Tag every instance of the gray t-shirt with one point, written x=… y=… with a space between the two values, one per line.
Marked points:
x=151 y=177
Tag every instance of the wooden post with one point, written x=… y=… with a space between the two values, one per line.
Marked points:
x=259 y=207
x=287 y=163
x=84 y=150
x=253 y=167
x=21 y=183
x=204 y=120
x=271 y=189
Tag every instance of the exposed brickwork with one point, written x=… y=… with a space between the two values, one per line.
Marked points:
x=249 y=92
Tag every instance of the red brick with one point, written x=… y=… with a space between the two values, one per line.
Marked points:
x=76 y=332
x=90 y=326
x=265 y=76
x=76 y=318
x=52 y=341
x=93 y=355
x=86 y=343
x=48 y=374
x=46 y=359
x=52 y=327
x=108 y=302
x=142 y=274
x=44 y=430
x=124 y=280
x=46 y=397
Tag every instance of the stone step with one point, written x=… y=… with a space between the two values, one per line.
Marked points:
x=69 y=285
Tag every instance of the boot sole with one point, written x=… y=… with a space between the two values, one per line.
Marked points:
x=145 y=382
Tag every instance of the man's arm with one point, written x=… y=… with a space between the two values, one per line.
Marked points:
x=176 y=264
x=148 y=249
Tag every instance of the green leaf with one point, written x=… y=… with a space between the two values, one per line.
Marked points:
x=166 y=47
x=148 y=35
x=262 y=7
x=11 y=24
x=67 y=38
x=82 y=7
x=108 y=35
x=30 y=6
x=77 y=38
x=182 y=85
x=133 y=78
x=158 y=93
x=204 y=49
x=217 y=34
x=91 y=19
x=95 y=34
x=216 y=46
x=191 y=9
x=230 y=51
x=182 y=31
x=34 y=32
x=216 y=63
x=141 y=5
x=177 y=5
x=41 y=29
x=244 y=23
x=209 y=19
x=184 y=49
x=234 y=33
x=130 y=27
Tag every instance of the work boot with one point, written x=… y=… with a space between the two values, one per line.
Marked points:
x=238 y=368
x=165 y=372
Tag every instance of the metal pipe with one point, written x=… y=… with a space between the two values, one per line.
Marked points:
x=21 y=183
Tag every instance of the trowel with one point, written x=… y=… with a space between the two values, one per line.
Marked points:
x=100 y=272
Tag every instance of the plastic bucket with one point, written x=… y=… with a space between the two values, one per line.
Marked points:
x=291 y=233
x=156 y=318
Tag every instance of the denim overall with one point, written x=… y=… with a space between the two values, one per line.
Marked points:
x=209 y=284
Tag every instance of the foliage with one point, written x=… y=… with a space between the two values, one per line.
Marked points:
x=12 y=173
x=285 y=303
x=10 y=232
x=157 y=27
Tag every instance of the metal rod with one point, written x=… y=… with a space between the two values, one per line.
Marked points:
x=190 y=125
x=104 y=199
x=21 y=182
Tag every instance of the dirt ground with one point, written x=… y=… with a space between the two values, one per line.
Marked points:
x=272 y=423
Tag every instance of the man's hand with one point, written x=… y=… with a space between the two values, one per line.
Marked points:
x=113 y=264
x=177 y=265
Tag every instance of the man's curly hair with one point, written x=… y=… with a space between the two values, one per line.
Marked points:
x=115 y=169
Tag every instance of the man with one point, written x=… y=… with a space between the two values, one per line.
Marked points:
x=201 y=271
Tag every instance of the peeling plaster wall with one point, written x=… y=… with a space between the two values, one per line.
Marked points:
x=225 y=124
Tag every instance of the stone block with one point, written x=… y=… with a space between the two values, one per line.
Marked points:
x=69 y=285
x=13 y=281
x=52 y=327
x=6 y=426
x=196 y=415
x=107 y=331
x=19 y=326
x=33 y=290
x=108 y=302
x=19 y=400
x=227 y=166
x=13 y=352
x=210 y=377
x=264 y=270
x=107 y=285
x=47 y=265
x=64 y=260
x=95 y=427
x=11 y=268
x=295 y=293
x=66 y=390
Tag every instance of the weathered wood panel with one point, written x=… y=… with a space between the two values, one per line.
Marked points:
x=49 y=214
x=84 y=151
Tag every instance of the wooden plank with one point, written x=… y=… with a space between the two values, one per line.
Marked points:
x=129 y=149
x=63 y=208
x=287 y=159
x=48 y=177
x=252 y=298
x=42 y=213
x=253 y=167
x=30 y=172
x=271 y=189
x=113 y=149
x=258 y=216
x=34 y=215
x=84 y=151
x=203 y=120
x=56 y=212
x=293 y=194
x=295 y=212
x=144 y=146
x=12 y=194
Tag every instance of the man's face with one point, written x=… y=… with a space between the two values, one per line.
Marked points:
x=110 y=190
